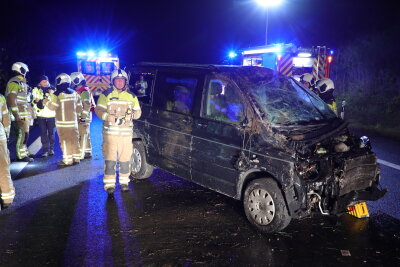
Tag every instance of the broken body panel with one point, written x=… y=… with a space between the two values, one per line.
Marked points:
x=291 y=137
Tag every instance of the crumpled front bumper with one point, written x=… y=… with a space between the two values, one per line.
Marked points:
x=353 y=197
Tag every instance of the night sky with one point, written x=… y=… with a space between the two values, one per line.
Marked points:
x=47 y=34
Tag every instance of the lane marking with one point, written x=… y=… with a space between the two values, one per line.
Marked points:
x=34 y=148
x=384 y=162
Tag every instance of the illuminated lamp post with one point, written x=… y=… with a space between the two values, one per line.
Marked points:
x=266 y=4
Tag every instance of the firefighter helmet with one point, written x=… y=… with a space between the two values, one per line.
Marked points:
x=20 y=67
x=63 y=78
x=307 y=77
x=77 y=78
x=118 y=73
x=324 y=85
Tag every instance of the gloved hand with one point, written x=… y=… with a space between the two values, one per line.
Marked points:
x=120 y=121
x=110 y=118
x=39 y=104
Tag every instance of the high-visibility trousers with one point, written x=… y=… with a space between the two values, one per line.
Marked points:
x=116 y=148
x=6 y=185
x=22 y=132
x=84 y=139
x=69 y=143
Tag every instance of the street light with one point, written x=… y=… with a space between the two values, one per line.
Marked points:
x=267 y=4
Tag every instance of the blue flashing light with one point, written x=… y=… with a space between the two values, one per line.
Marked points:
x=232 y=54
x=91 y=53
x=103 y=53
x=331 y=52
x=81 y=54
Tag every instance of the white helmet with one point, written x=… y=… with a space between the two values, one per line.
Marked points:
x=118 y=73
x=63 y=78
x=20 y=67
x=307 y=77
x=324 y=85
x=77 y=78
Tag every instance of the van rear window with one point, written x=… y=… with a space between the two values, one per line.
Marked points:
x=106 y=68
x=89 y=67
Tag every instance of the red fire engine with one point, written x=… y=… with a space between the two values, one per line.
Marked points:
x=291 y=60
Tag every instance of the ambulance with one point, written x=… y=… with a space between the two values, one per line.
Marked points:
x=290 y=60
x=97 y=69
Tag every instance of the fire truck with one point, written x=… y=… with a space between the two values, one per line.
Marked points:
x=97 y=69
x=291 y=60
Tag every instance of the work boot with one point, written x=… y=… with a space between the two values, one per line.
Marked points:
x=26 y=159
x=110 y=192
x=124 y=188
x=62 y=164
x=5 y=205
x=88 y=155
x=45 y=154
x=51 y=152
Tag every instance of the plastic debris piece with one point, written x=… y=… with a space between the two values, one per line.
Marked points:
x=345 y=253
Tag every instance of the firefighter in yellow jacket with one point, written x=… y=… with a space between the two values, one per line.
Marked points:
x=67 y=104
x=7 y=189
x=84 y=118
x=326 y=89
x=44 y=116
x=19 y=104
x=117 y=107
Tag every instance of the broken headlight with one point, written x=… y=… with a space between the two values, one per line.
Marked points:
x=364 y=142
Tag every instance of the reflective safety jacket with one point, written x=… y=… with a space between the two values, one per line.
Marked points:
x=4 y=119
x=44 y=111
x=18 y=97
x=85 y=98
x=118 y=109
x=67 y=105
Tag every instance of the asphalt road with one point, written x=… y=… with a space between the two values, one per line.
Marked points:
x=62 y=217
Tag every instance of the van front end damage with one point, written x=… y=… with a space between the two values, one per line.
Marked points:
x=338 y=172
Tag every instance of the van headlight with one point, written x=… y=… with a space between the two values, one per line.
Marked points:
x=364 y=142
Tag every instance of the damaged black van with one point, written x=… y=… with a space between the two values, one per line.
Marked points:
x=254 y=135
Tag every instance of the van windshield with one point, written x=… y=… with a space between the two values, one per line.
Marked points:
x=285 y=102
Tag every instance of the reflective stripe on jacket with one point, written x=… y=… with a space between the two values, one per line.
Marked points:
x=118 y=109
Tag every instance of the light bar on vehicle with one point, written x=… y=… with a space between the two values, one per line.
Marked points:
x=304 y=54
x=276 y=49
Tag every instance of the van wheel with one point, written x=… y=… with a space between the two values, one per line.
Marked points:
x=265 y=206
x=139 y=167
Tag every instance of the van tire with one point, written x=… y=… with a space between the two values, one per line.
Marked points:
x=265 y=206
x=140 y=169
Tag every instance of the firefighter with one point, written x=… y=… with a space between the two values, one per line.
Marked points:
x=325 y=89
x=308 y=81
x=67 y=105
x=117 y=107
x=84 y=118
x=44 y=116
x=18 y=103
x=7 y=189
x=141 y=86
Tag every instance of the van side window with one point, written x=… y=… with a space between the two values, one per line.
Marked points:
x=175 y=92
x=141 y=85
x=223 y=102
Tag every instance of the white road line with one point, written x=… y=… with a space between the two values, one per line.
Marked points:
x=384 y=162
x=33 y=149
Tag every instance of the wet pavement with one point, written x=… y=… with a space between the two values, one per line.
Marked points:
x=64 y=218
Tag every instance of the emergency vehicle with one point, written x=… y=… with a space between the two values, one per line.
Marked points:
x=97 y=69
x=291 y=60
